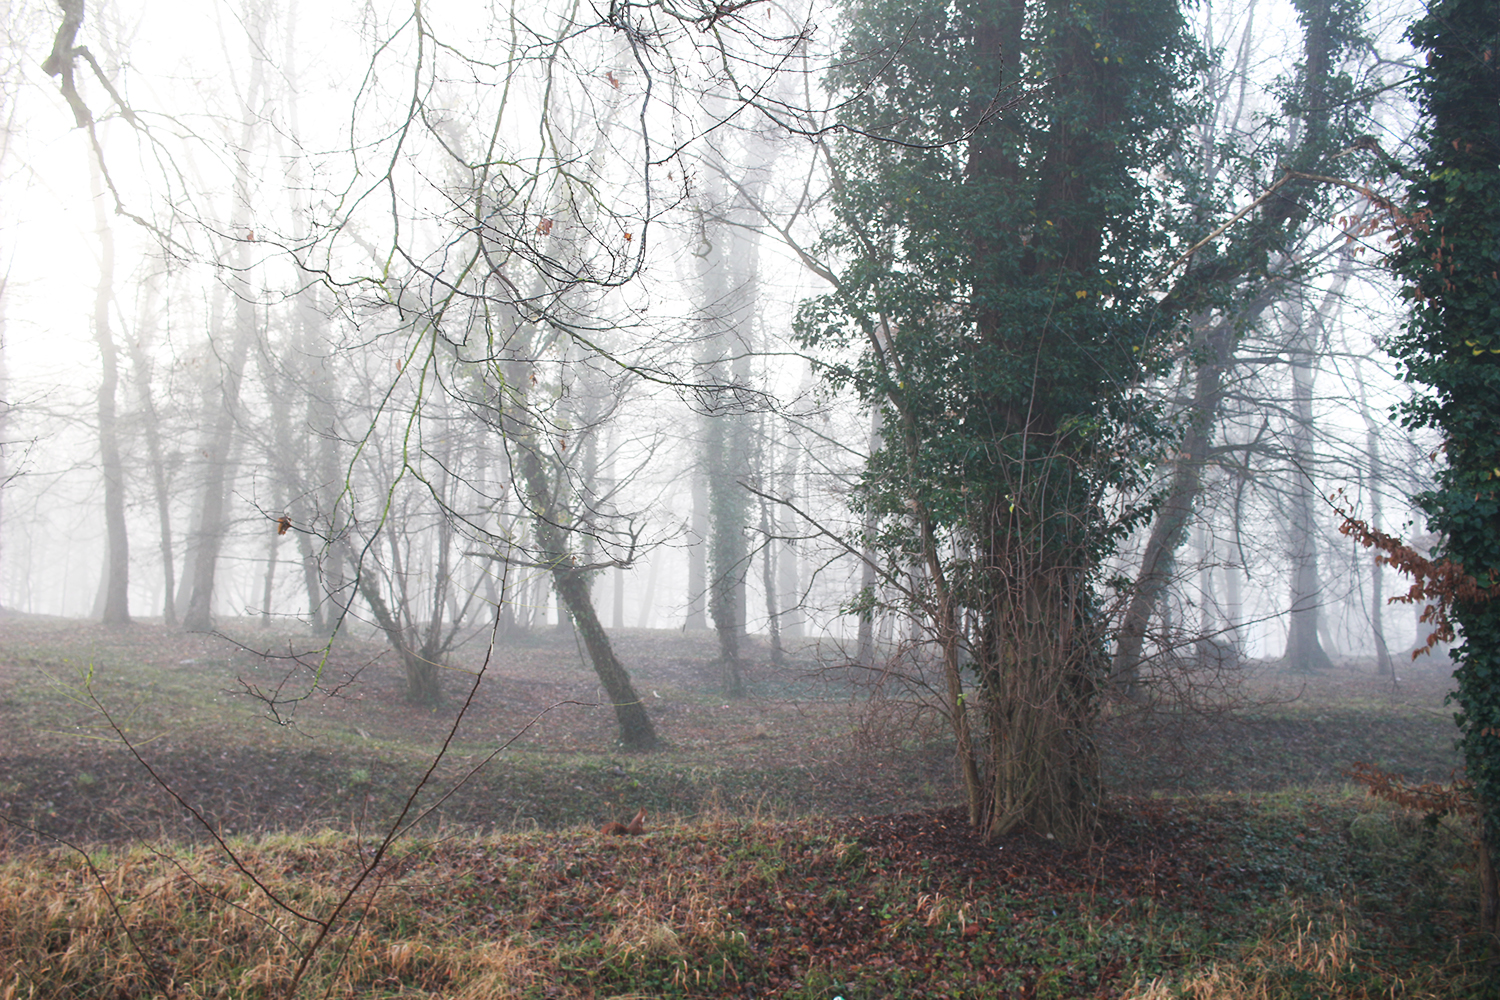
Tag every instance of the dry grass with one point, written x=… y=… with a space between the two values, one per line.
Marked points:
x=191 y=925
x=1313 y=956
x=703 y=910
x=148 y=924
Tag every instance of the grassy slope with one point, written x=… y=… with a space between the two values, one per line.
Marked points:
x=1314 y=893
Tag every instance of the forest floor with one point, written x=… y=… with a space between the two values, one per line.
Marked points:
x=1230 y=834
x=808 y=738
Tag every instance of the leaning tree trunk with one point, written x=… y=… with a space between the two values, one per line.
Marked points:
x=1169 y=530
x=572 y=585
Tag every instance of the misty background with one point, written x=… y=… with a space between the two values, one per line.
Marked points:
x=287 y=317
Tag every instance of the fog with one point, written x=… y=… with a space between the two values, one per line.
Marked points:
x=351 y=317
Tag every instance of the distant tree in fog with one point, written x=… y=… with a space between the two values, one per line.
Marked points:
x=1244 y=294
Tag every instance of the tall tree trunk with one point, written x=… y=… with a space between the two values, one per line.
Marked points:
x=726 y=549
x=316 y=440
x=617 y=605
x=1304 y=652
x=789 y=580
x=643 y=620
x=1169 y=530
x=268 y=583
x=151 y=427
x=697 y=552
x=729 y=286
x=116 y=609
x=218 y=463
x=768 y=580
x=1384 y=666
x=6 y=471
x=864 y=653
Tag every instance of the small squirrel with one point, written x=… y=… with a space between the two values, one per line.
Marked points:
x=635 y=827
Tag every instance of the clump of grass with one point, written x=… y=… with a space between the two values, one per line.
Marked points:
x=1301 y=956
x=144 y=924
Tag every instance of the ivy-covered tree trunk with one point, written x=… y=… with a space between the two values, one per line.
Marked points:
x=1451 y=348
x=999 y=286
x=729 y=261
x=726 y=460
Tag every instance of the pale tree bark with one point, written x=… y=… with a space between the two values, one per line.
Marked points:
x=768 y=580
x=317 y=479
x=223 y=406
x=1212 y=348
x=150 y=420
x=115 y=590
x=697 y=552
x=1234 y=602
x=643 y=619
x=268 y=582
x=6 y=471
x=219 y=460
x=1384 y=666
x=790 y=488
x=617 y=593
x=789 y=579
x=1304 y=651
